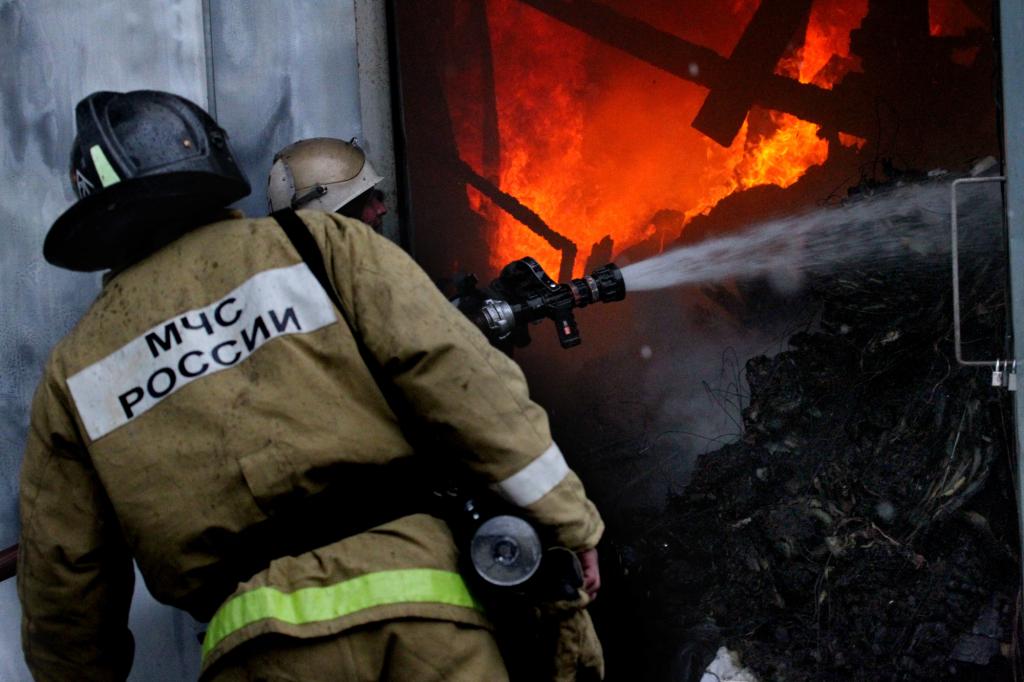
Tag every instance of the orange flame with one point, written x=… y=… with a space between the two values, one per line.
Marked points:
x=598 y=143
x=825 y=57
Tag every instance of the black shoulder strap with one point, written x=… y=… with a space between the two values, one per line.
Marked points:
x=307 y=247
x=304 y=243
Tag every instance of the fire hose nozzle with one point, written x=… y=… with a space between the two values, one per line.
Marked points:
x=610 y=283
x=604 y=284
x=524 y=293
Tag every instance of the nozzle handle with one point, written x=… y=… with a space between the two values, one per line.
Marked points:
x=568 y=331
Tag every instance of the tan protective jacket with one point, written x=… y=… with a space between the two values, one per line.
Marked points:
x=214 y=380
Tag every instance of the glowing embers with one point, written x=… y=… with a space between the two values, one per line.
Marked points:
x=784 y=156
x=778 y=155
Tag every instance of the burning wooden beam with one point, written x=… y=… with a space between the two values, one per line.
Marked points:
x=525 y=215
x=762 y=44
x=706 y=67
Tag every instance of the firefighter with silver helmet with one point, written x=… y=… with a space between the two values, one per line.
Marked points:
x=326 y=174
x=249 y=410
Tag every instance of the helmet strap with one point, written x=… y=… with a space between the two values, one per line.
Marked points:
x=315 y=193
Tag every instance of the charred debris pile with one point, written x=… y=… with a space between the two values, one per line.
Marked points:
x=864 y=527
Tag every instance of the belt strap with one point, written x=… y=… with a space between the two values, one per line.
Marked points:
x=365 y=496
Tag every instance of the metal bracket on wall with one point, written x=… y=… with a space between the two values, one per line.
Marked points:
x=1004 y=372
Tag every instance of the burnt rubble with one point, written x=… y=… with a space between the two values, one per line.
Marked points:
x=864 y=526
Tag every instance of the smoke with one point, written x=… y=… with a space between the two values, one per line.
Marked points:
x=658 y=381
x=903 y=228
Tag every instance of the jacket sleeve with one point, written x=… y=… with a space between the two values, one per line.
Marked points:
x=470 y=396
x=75 y=574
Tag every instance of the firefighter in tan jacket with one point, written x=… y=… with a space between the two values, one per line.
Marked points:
x=213 y=388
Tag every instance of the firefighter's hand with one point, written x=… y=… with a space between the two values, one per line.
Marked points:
x=591 y=572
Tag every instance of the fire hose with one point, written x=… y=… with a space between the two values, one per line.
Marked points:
x=523 y=293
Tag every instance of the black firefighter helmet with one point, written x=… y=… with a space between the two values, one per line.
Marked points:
x=145 y=166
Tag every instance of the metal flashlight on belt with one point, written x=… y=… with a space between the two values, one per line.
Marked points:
x=524 y=293
x=505 y=551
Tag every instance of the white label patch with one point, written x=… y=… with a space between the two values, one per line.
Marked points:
x=133 y=379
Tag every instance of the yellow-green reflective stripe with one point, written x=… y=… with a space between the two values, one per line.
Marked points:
x=108 y=176
x=312 y=604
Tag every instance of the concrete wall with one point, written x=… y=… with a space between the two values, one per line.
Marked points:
x=270 y=71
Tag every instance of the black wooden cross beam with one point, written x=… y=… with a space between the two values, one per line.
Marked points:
x=764 y=41
x=719 y=74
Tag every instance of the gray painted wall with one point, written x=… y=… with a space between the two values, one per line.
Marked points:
x=282 y=73
x=285 y=71
x=281 y=70
x=54 y=53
